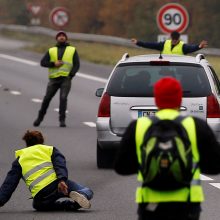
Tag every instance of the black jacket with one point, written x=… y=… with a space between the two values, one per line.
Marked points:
x=45 y=61
x=187 y=48
x=126 y=163
x=15 y=174
x=209 y=150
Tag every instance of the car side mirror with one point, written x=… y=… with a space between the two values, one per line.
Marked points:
x=99 y=92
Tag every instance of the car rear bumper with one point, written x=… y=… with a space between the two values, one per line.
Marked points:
x=214 y=123
x=106 y=138
x=109 y=140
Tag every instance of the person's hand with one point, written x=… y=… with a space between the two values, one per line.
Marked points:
x=134 y=40
x=203 y=44
x=63 y=188
x=58 y=63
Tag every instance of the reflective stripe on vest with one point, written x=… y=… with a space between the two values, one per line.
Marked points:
x=146 y=194
x=37 y=167
x=67 y=59
x=177 y=49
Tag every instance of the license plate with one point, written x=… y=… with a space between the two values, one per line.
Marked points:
x=146 y=113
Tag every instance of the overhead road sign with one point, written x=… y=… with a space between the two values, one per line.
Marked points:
x=172 y=17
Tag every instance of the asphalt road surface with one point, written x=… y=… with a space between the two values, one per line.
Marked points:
x=22 y=87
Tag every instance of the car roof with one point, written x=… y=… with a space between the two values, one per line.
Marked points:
x=198 y=59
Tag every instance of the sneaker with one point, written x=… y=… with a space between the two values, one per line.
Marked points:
x=37 y=122
x=80 y=199
x=62 y=124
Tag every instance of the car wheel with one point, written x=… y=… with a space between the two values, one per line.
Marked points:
x=105 y=157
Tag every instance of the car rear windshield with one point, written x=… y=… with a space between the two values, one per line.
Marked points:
x=137 y=80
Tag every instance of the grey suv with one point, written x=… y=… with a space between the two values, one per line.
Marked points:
x=128 y=94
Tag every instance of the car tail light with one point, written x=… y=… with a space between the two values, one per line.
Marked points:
x=213 y=109
x=104 y=106
x=159 y=63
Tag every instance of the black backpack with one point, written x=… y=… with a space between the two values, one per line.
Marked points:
x=166 y=155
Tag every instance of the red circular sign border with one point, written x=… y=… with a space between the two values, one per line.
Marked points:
x=177 y=7
x=54 y=11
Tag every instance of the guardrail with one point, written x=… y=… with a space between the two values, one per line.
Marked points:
x=88 y=37
x=71 y=35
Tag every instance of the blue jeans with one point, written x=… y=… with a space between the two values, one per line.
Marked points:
x=47 y=198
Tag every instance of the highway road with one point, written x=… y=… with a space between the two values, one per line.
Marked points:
x=22 y=87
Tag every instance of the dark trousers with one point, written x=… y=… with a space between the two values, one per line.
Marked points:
x=47 y=198
x=170 y=211
x=62 y=83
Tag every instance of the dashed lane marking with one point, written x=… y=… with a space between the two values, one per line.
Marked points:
x=57 y=110
x=20 y=60
x=95 y=78
x=90 y=124
x=36 y=100
x=205 y=178
x=32 y=63
x=13 y=92
x=217 y=185
x=85 y=76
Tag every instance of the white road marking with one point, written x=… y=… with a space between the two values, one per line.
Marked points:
x=20 y=60
x=36 y=100
x=205 y=178
x=95 y=78
x=85 y=76
x=32 y=63
x=15 y=92
x=90 y=124
x=217 y=185
x=57 y=110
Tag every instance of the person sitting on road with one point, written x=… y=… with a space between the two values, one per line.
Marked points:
x=171 y=46
x=43 y=168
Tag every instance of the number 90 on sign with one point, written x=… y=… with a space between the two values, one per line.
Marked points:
x=172 y=17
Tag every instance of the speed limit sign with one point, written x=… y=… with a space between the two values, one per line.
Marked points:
x=172 y=17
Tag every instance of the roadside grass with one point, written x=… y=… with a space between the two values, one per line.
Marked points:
x=93 y=52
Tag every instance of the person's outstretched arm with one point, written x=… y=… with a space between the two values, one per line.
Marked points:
x=10 y=183
x=190 y=48
x=149 y=45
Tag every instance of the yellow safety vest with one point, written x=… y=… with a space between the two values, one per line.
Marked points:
x=67 y=58
x=177 y=49
x=194 y=192
x=37 y=167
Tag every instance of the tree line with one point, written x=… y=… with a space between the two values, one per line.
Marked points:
x=126 y=18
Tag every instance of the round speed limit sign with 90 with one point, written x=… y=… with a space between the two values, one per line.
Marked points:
x=172 y=17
